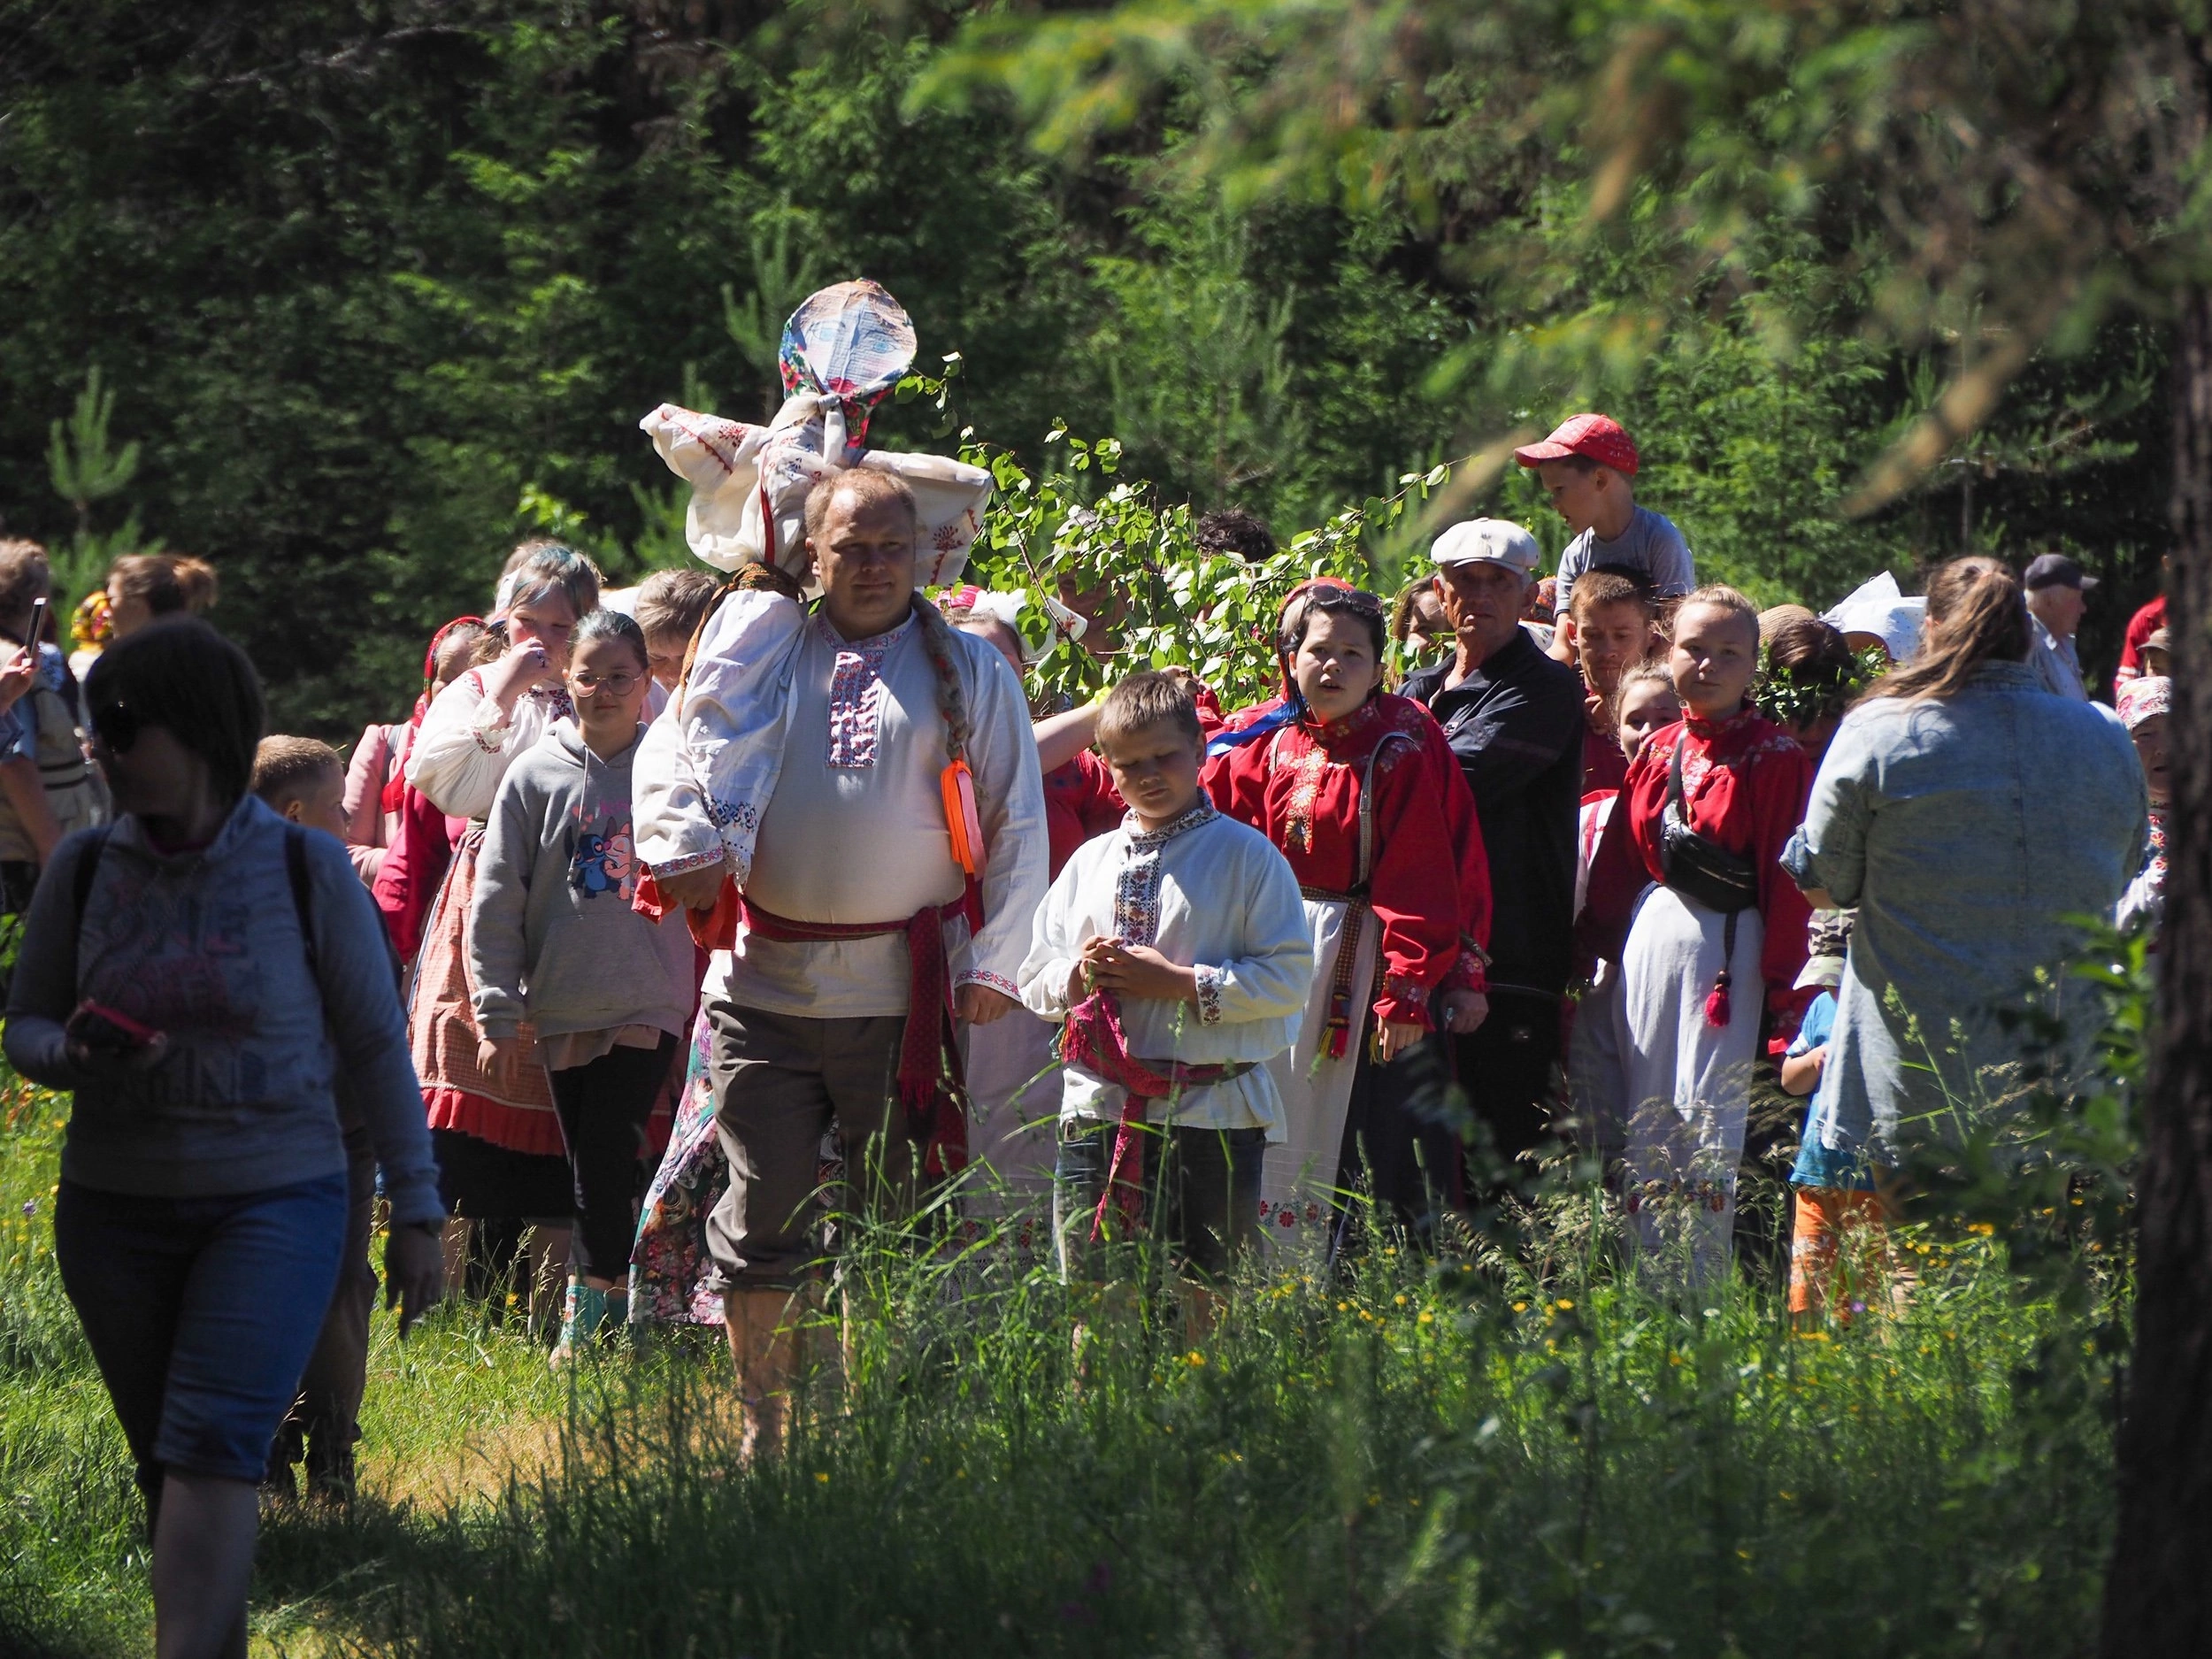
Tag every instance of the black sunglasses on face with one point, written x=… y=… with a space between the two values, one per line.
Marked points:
x=116 y=726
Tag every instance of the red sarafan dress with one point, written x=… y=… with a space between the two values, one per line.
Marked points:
x=1389 y=928
x=1686 y=1032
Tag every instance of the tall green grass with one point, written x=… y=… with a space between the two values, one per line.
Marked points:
x=1509 y=1451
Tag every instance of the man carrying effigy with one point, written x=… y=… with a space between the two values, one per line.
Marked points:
x=845 y=796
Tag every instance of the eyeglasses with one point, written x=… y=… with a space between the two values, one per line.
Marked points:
x=619 y=684
x=117 y=727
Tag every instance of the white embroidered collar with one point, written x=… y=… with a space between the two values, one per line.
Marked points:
x=875 y=645
x=1145 y=840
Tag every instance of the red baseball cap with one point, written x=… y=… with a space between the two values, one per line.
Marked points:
x=1596 y=437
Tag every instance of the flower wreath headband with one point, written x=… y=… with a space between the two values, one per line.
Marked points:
x=1802 y=691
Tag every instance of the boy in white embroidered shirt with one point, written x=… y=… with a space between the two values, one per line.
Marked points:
x=1176 y=949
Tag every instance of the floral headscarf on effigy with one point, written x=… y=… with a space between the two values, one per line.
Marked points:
x=710 y=764
x=843 y=350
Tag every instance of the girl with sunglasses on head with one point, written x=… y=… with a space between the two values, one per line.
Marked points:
x=501 y=1158
x=553 y=939
x=1357 y=788
x=208 y=981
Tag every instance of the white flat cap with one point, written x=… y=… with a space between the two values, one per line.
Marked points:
x=1488 y=542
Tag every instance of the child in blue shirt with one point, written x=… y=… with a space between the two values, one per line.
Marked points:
x=1835 y=1192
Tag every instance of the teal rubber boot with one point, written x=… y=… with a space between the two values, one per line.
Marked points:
x=583 y=1317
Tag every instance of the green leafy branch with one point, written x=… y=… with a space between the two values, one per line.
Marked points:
x=1796 y=696
x=1125 y=567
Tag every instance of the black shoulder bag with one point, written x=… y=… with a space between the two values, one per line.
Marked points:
x=1699 y=867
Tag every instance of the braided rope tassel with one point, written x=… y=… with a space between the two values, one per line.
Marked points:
x=1340 y=1025
x=957 y=781
x=952 y=697
x=1718 y=1010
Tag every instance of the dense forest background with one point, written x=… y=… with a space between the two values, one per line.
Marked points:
x=375 y=288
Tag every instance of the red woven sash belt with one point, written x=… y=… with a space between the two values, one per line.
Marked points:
x=931 y=1084
x=1347 y=964
x=1093 y=1039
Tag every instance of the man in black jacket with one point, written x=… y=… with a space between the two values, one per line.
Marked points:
x=1515 y=719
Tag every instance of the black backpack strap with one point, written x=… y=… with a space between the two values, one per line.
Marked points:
x=302 y=891
x=88 y=866
x=95 y=842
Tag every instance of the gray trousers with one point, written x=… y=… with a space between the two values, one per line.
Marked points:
x=782 y=1082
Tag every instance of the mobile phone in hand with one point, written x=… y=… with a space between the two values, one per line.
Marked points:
x=109 y=1030
x=37 y=632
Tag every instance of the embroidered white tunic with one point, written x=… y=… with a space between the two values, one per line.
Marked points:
x=854 y=830
x=465 y=744
x=1208 y=893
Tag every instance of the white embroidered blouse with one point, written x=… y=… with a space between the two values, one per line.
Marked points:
x=1208 y=893
x=813 y=763
x=465 y=744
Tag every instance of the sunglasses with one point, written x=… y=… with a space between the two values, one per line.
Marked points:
x=117 y=727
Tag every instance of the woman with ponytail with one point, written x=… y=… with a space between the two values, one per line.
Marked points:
x=1970 y=817
x=143 y=587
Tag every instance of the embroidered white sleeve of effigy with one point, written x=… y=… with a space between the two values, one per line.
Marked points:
x=708 y=764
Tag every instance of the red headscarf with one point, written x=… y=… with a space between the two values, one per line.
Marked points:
x=396 y=785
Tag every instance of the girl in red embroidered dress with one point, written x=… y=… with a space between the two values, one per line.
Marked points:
x=1342 y=765
x=1692 y=974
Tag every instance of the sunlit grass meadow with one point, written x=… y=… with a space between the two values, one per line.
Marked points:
x=1495 y=1453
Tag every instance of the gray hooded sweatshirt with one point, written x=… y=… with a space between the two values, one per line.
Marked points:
x=206 y=947
x=552 y=938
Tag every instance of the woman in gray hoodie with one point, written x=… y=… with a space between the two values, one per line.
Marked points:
x=553 y=941
x=207 y=980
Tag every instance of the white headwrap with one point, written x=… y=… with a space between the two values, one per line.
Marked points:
x=1880 y=607
x=1004 y=608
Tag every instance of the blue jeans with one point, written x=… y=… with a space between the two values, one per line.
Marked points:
x=201 y=1313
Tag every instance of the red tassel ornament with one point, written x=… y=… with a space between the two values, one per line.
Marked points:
x=1717 y=1009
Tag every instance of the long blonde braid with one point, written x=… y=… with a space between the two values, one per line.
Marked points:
x=952 y=696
